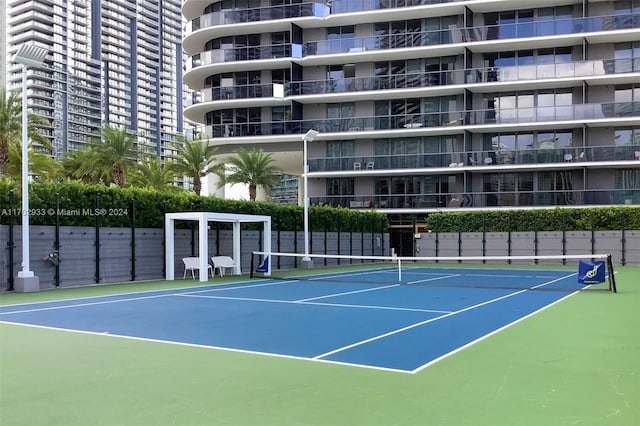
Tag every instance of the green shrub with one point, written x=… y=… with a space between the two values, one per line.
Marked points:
x=558 y=219
x=150 y=207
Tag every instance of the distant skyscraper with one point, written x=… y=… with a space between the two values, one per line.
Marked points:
x=3 y=43
x=112 y=61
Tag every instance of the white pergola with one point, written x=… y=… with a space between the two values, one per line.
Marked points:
x=203 y=219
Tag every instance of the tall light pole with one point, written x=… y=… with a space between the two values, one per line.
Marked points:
x=308 y=137
x=28 y=56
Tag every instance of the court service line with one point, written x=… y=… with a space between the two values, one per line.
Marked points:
x=434 y=278
x=347 y=292
x=232 y=286
x=346 y=274
x=295 y=302
x=409 y=327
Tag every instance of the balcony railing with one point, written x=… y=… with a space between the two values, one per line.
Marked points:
x=580 y=69
x=569 y=156
x=473 y=34
x=250 y=53
x=430 y=120
x=568 y=197
x=238 y=92
x=240 y=16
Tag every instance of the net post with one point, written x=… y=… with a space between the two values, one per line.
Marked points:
x=612 y=279
x=252 y=264
x=399 y=270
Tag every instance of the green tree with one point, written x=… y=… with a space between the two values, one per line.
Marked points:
x=254 y=168
x=11 y=126
x=153 y=174
x=195 y=159
x=40 y=164
x=74 y=166
x=108 y=158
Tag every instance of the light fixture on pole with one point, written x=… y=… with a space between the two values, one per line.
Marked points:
x=308 y=137
x=27 y=56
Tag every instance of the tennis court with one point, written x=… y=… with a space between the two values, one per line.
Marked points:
x=359 y=318
x=573 y=362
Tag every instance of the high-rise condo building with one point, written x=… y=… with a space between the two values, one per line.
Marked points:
x=110 y=61
x=424 y=105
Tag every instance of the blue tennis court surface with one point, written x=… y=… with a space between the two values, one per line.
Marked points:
x=387 y=326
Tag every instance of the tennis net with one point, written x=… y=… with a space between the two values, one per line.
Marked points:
x=551 y=272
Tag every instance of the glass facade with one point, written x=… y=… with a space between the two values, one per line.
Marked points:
x=110 y=61
x=430 y=108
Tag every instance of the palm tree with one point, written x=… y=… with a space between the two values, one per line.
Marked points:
x=108 y=158
x=153 y=174
x=11 y=126
x=195 y=159
x=74 y=166
x=40 y=164
x=254 y=168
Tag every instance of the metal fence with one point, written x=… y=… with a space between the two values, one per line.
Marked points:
x=73 y=256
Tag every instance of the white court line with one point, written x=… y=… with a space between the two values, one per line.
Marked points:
x=165 y=293
x=271 y=282
x=104 y=302
x=348 y=292
x=448 y=354
x=434 y=278
x=346 y=274
x=220 y=348
x=409 y=327
x=298 y=302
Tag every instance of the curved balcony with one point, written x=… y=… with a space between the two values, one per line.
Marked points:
x=610 y=71
x=242 y=16
x=216 y=61
x=595 y=114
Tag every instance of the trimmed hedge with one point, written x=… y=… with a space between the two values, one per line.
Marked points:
x=558 y=219
x=77 y=202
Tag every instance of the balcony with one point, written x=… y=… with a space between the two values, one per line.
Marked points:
x=251 y=53
x=474 y=34
x=350 y=6
x=241 y=16
x=239 y=92
x=418 y=122
x=438 y=201
x=479 y=161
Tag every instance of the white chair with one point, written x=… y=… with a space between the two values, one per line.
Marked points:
x=221 y=263
x=488 y=161
x=357 y=165
x=193 y=264
x=568 y=157
x=370 y=165
x=637 y=154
